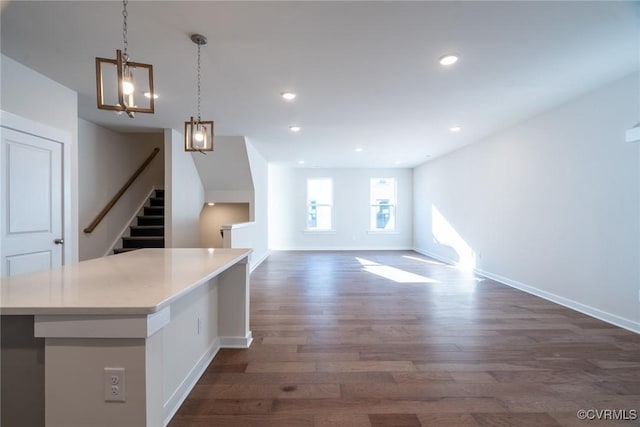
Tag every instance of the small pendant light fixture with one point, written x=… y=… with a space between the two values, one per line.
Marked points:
x=121 y=83
x=198 y=134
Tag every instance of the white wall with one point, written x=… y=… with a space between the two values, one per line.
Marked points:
x=31 y=95
x=288 y=210
x=260 y=177
x=226 y=172
x=551 y=205
x=236 y=173
x=184 y=194
x=107 y=160
x=212 y=218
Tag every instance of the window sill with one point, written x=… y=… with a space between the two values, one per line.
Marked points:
x=382 y=232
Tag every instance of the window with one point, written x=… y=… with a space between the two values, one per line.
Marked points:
x=319 y=203
x=383 y=204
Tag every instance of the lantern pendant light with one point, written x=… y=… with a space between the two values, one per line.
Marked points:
x=123 y=85
x=198 y=134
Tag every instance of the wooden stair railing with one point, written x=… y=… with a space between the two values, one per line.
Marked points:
x=119 y=194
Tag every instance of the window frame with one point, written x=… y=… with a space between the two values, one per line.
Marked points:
x=316 y=230
x=373 y=207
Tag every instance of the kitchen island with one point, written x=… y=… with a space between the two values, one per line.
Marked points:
x=147 y=322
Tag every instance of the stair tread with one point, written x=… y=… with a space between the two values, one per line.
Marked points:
x=150 y=233
x=123 y=250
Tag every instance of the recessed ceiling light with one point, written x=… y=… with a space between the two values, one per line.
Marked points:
x=295 y=128
x=448 y=59
x=148 y=95
x=397 y=162
x=359 y=150
x=301 y=162
x=289 y=96
x=211 y=204
x=455 y=128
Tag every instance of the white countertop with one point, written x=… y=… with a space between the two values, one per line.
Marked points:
x=137 y=282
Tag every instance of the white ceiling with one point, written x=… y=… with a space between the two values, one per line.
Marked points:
x=366 y=73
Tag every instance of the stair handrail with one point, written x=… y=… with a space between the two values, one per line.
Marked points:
x=119 y=194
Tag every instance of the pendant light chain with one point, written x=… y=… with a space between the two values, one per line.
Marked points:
x=198 y=83
x=124 y=28
x=133 y=79
x=198 y=134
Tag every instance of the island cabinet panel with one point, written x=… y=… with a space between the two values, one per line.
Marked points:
x=160 y=332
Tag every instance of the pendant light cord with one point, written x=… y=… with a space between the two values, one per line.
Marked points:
x=124 y=28
x=198 y=83
x=199 y=40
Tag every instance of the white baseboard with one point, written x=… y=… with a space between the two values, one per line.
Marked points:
x=435 y=256
x=236 y=342
x=181 y=393
x=172 y=405
x=566 y=302
x=255 y=264
x=574 y=305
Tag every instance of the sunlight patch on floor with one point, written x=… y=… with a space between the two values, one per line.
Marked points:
x=427 y=261
x=395 y=274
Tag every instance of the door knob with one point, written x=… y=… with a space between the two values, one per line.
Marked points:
x=59 y=241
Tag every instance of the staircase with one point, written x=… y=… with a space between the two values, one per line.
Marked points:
x=149 y=231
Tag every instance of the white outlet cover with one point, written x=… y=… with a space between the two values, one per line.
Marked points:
x=114 y=385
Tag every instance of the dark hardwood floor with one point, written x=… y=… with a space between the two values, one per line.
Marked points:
x=396 y=339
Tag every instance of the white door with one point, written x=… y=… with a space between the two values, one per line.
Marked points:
x=31 y=196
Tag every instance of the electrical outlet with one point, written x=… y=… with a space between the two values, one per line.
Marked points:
x=114 y=385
